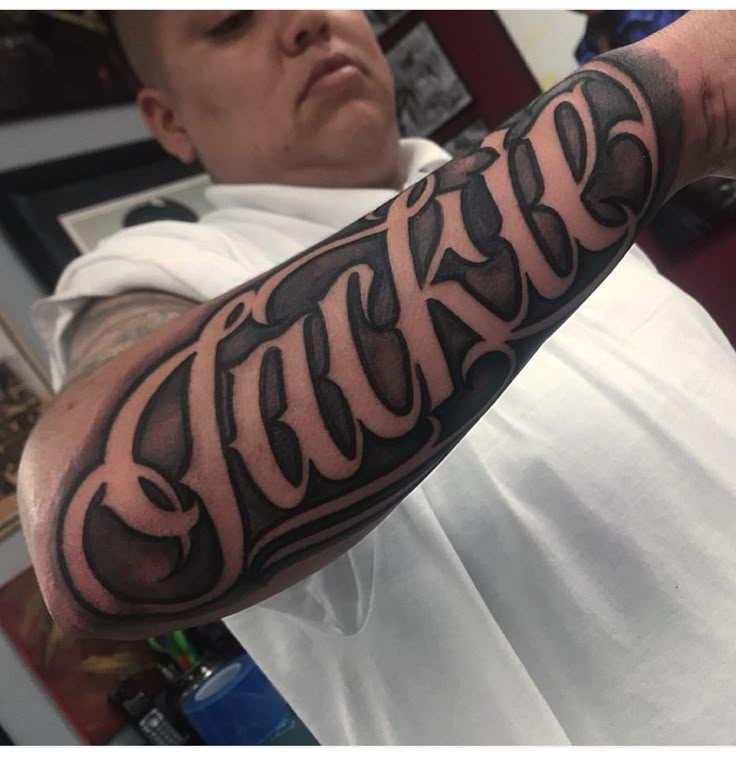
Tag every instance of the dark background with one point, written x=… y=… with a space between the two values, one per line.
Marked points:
x=56 y=61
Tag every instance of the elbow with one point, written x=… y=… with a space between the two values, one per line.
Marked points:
x=75 y=620
x=36 y=495
x=86 y=556
x=68 y=619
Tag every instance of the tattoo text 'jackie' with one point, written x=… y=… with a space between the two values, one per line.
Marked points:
x=312 y=400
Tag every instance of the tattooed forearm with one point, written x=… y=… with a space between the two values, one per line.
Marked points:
x=311 y=400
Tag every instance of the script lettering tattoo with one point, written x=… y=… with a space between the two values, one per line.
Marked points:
x=312 y=400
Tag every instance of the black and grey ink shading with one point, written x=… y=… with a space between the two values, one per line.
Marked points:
x=314 y=398
x=544 y=222
x=571 y=134
x=656 y=82
x=333 y=406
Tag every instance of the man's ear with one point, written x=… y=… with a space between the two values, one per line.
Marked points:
x=162 y=123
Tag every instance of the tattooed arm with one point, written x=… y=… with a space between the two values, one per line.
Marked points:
x=253 y=439
x=111 y=324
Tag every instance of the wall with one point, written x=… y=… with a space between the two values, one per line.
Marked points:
x=27 y=142
x=547 y=41
x=26 y=713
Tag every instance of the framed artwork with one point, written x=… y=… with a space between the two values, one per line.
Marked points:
x=77 y=672
x=54 y=211
x=478 y=67
x=183 y=200
x=24 y=388
x=54 y=61
x=381 y=21
x=429 y=92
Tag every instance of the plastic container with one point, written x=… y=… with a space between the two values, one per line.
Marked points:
x=235 y=706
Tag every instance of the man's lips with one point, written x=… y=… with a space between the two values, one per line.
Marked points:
x=322 y=69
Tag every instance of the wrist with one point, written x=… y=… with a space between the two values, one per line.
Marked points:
x=700 y=50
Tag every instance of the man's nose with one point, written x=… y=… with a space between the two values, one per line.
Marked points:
x=300 y=29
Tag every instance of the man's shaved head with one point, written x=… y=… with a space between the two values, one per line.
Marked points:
x=136 y=32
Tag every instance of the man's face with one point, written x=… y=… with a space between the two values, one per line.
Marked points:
x=295 y=97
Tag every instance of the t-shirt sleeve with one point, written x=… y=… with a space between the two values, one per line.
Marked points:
x=190 y=260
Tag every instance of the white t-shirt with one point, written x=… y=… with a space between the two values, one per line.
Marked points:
x=567 y=574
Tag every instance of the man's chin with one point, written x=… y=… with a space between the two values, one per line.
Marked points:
x=359 y=136
x=367 y=171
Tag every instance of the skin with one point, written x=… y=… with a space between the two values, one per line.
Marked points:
x=254 y=438
x=110 y=325
x=226 y=88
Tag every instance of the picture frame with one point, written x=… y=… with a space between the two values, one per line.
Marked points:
x=53 y=211
x=382 y=21
x=24 y=390
x=429 y=90
x=76 y=672
x=183 y=200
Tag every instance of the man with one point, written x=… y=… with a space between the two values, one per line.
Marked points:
x=567 y=573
